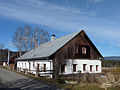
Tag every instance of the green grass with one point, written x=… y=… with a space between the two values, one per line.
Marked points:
x=82 y=88
x=113 y=70
x=114 y=88
x=88 y=88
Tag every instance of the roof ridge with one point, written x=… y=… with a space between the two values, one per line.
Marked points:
x=59 y=38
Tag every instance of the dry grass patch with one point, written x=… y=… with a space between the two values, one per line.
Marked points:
x=83 y=87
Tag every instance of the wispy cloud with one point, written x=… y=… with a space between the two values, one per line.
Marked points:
x=39 y=12
x=58 y=17
x=44 y=13
x=96 y=1
x=54 y=16
x=67 y=16
x=11 y=44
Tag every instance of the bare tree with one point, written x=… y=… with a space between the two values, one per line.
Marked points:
x=25 y=38
x=44 y=36
x=17 y=38
x=32 y=40
x=41 y=36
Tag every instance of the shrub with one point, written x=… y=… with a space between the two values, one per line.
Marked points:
x=61 y=81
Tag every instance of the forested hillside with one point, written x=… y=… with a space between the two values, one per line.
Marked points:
x=110 y=63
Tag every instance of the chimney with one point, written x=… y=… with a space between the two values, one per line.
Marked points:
x=36 y=43
x=53 y=38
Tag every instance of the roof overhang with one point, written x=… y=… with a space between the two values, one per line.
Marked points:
x=32 y=59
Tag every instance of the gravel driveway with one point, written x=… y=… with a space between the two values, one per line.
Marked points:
x=14 y=80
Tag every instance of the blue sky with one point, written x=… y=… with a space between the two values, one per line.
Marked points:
x=99 y=18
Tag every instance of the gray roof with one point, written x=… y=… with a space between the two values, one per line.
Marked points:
x=47 y=49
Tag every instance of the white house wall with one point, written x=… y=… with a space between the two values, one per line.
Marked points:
x=31 y=66
x=4 y=63
x=79 y=66
x=68 y=66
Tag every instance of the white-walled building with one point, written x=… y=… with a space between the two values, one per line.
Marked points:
x=72 y=54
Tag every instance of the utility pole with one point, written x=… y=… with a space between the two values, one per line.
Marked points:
x=8 y=57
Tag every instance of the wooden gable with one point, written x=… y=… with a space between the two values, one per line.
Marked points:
x=80 y=47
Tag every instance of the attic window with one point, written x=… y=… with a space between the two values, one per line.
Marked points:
x=83 y=50
x=76 y=49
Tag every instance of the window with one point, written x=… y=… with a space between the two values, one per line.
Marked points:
x=25 y=65
x=29 y=65
x=83 y=50
x=63 y=68
x=38 y=67
x=91 y=68
x=22 y=65
x=84 y=67
x=74 y=67
x=96 y=67
x=44 y=67
x=33 y=64
x=76 y=49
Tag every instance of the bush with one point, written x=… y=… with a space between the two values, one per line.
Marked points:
x=61 y=81
x=88 y=78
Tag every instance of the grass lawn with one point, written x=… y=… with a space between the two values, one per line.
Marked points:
x=89 y=88
x=82 y=88
x=114 y=88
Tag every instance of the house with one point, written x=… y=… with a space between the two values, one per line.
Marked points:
x=12 y=56
x=72 y=54
x=3 y=57
x=3 y=62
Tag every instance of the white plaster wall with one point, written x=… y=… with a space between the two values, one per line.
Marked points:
x=21 y=65
x=68 y=66
x=32 y=66
x=79 y=66
x=4 y=63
